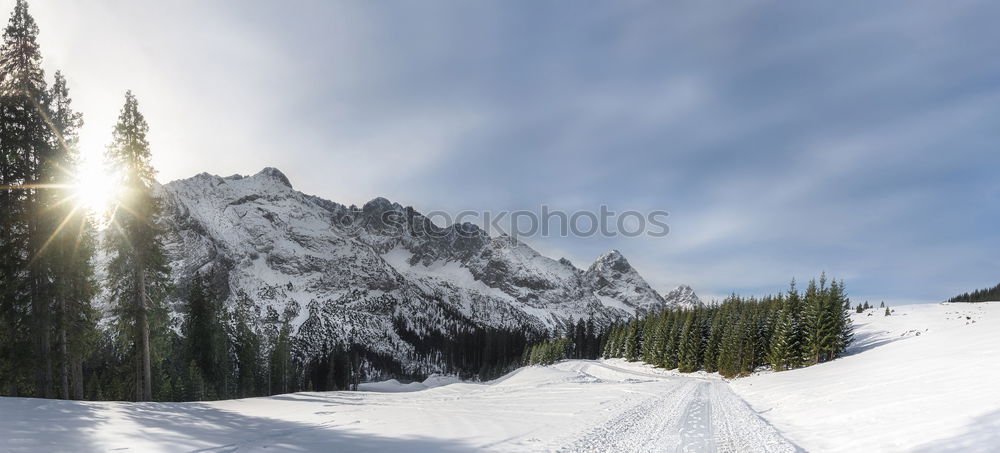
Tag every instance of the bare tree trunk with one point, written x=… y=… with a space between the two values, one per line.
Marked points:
x=47 y=354
x=138 y=374
x=147 y=373
x=63 y=348
x=77 y=370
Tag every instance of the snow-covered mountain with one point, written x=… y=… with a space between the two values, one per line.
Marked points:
x=682 y=297
x=381 y=273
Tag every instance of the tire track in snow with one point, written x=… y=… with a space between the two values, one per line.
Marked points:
x=738 y=428
x=690 y=416
x=651 y=425
x=696 y=428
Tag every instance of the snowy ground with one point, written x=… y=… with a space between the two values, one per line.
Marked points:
x=572 y=406
x=926 y=379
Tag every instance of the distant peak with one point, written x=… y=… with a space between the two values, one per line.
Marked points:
x=683 y=296
x=274 y=173
x=378 y=205
x=613 y=260
x=613 y=256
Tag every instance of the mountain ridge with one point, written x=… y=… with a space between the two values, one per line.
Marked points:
x=377 y=274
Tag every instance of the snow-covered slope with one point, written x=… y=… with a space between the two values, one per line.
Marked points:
x=923 y=379
x=573 y=406
x=378 y=274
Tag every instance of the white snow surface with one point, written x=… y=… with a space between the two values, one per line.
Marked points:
x=921 y=380
x=604 y=406
x=924 y=379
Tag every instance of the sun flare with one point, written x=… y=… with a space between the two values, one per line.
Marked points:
x=95 y=187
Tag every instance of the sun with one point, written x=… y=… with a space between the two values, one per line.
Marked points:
x=94 y=188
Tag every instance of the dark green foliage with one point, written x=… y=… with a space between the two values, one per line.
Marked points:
x=46 y=240
x=735 y=337
x=550 y=351
x=483 y=353
x=577 y=344
x=138 y=272
x=979 y=295
x=281 y=367
x=196 y=383
x=205 y=337
x=633 y=337
x=247 y=349
x=691 y=343
x=827 y=327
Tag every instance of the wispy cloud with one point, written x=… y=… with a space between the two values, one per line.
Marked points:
x=785 y=139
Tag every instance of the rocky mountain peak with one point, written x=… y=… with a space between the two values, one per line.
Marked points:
x=611 y=261
x=275 y=174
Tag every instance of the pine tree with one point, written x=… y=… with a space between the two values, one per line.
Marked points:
x=632 y=341
x=205 y=334
x=672 y=342
x=71 y=248
x=715 y=331
x=689 y=352
x=649 y=340
x=138 y=270
x=780 y=355
x=196 y=383
x=246 y=344
x=593 y=340
x=844 y=326
x=815 y=319
x=25 y=141
x=281 y=360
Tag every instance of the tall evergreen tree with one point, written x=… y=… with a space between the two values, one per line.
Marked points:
x=689 y=352
x=633 y=341
x=71 y=247
x=205 y=335
x=25 y=141
x=247 y=348
x=138 y=272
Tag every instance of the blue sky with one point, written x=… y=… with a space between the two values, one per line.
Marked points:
x=785 y=138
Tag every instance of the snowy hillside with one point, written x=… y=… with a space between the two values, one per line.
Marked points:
x=923 y=379
x=381 y=273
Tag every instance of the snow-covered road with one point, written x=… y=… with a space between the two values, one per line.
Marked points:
x=571 y=406
x=689 y=415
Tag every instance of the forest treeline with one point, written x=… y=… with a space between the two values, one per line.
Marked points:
x=733 y=338
x=979 y=295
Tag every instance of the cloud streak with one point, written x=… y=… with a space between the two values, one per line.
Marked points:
x=785 y=139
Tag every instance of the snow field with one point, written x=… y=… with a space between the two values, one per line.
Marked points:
x=571 y=406
x=923 y=379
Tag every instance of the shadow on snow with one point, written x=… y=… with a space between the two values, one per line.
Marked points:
x=28 y=424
